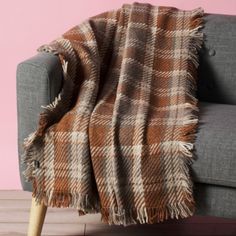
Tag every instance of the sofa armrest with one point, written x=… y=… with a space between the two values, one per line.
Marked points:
x=39 y=80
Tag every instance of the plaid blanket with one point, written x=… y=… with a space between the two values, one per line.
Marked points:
x=118 y=138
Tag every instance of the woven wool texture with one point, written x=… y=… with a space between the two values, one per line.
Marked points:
x=119 y=137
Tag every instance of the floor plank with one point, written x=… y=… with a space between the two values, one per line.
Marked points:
x=56 y=216
x=14 y=194
x=48 y=229
x=15 y=204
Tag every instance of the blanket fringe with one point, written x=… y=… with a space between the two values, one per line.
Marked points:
x=82 y=202
x=146 y=215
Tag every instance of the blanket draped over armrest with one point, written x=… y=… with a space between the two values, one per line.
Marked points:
x=119 y=137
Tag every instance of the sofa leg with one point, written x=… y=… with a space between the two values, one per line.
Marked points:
x=37 y=215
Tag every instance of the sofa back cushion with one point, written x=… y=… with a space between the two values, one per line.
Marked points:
x=217 y=69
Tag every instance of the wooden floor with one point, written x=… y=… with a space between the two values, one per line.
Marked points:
x=14 y=214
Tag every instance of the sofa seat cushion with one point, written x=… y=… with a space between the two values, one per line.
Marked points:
x=215 y=145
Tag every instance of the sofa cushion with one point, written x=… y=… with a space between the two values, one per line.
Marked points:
x=215 y=145
x=217 y=68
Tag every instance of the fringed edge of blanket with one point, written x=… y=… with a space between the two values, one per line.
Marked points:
x=145 y=215
x=82 y=202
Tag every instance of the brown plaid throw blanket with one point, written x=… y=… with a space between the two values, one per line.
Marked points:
x=118 y=139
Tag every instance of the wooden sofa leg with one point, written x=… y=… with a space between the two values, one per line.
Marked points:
x=37 y=215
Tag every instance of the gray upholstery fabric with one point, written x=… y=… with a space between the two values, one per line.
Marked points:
x=217 y=70
x=39 y=80
x=216 y=145
x=215 y=200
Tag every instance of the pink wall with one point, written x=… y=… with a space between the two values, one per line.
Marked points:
x=25 y=25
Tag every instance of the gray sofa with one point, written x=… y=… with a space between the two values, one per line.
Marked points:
x=39 y=79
